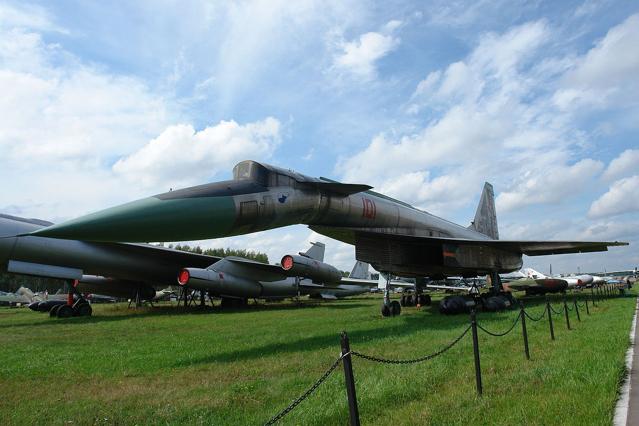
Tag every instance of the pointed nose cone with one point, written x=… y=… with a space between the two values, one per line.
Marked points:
x=151 y=219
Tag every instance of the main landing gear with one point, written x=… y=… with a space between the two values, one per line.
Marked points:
x=390 y=308
x=79 y=308
x=495 y=300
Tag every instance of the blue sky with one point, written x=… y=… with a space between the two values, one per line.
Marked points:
x=108 y=102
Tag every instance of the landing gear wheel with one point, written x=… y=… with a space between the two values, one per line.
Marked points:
x=395 y=308
x=386 y=310
x=65 y=311
x=414 y=300
x=53 y=312
x=83 y=310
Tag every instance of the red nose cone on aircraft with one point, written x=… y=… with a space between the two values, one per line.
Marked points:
x=287 y=262
x=183 y=277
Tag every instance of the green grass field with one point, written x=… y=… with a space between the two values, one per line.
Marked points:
x=162 y=366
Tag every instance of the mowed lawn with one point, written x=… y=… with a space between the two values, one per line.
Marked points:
x=167 y=366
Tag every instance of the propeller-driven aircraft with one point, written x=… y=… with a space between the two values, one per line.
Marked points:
x=391 y=235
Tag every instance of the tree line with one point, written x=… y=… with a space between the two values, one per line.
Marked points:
x=223 y=252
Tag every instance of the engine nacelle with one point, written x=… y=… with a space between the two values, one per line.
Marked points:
x=306 y=267
x=218 y=283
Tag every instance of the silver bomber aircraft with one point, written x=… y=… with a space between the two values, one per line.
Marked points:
x=391 y=235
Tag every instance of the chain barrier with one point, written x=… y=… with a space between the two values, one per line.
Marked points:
x=512 y=327
x=553 y=310
x=411 y=361
x=547 y=310
x=543 y=314
x=308 y=392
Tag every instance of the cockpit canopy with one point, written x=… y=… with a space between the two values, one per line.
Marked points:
x=267 y=175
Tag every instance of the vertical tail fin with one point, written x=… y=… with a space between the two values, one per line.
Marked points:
x=360 y=271
x=316 y=252
x=485 y=216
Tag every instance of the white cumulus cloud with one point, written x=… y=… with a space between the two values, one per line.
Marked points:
x=180 y=156
x=626 y=164
x=621 y=198
x=607 y=75
x=359 y=57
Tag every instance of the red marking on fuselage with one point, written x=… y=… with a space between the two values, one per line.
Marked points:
x=370 y=210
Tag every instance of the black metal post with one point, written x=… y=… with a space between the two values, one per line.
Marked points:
x=349 y=380
x=473 y=324
x=523 y=329
x=592 y=291
x=576 y=309
x=186 y=296
x=566 y=312
x=587 y=309
x=549 y=310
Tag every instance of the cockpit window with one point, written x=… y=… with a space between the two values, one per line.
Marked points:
x=242 y=171
x=283 y=180
x=250 y=170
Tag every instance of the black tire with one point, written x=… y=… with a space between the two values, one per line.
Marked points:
x=395 y=308
x=494 y=304
x=414 y=300
x=53 y=312
x=83 y=310
x=452 y=305
x=402 y=301
x=424 y=300
x=386 y=311
x=64 y=311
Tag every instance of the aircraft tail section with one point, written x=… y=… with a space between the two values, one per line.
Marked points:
x=360 y=270
x=486 y=216
x=316 y=252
